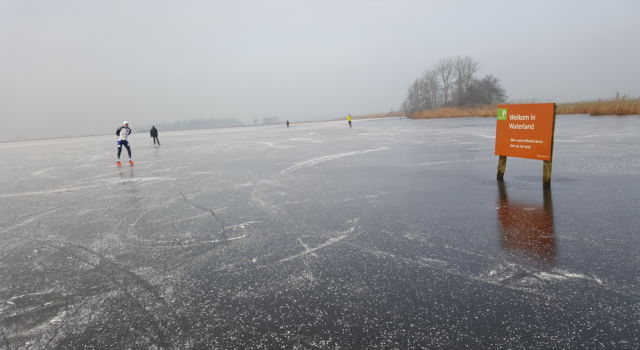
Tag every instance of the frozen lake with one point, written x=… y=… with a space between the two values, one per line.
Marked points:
x=391 y=235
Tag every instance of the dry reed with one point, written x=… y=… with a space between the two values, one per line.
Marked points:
x=600 y=107
x=594 y=108
x=456 y=112
x=376 y=115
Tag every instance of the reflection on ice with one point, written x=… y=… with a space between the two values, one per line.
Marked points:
x=527 y=227
x=124 y=173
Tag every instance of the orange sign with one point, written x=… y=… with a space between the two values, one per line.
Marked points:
x=525 y=130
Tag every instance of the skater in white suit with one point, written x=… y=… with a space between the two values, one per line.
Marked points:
x=122 y=133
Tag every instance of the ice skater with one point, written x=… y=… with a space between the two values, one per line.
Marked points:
x=154 y=134
x=122 y=134
x=349 y=120
x=287 y=123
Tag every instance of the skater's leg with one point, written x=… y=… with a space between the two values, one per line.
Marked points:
x=119 y=151
x=128 y=151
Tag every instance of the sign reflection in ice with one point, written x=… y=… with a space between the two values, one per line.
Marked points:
x=526 y=227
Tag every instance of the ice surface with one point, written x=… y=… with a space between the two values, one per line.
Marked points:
x=393 y=234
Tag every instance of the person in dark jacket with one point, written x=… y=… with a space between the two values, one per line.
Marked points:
x=154 y=134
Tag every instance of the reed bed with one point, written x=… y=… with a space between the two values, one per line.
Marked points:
x=456 y=112
x=601 y=107
x=594 y=108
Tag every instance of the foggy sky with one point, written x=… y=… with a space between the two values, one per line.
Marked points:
x=72 y=67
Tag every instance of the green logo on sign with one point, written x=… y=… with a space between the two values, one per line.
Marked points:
x=502 y=114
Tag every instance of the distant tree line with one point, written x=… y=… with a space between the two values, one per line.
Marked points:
x=198 y=124
x=270 y=120
x=452 y=83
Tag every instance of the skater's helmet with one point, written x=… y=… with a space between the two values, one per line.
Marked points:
x=125 y=123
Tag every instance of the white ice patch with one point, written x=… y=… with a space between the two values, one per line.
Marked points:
x=437 y=261
x=484 y=135
x=300 y=139
x=58 y=318
x=270 y=144
x=568 y=274
x=550 y=276
x=444 y=162
x=327 y=158
x=56 y=191
x=42 y=172
x=241 y=225
x=307 y=250
x=86 y=211
x=192 y=242
x=327 y=243
x=144 y=180
x=29 y=220
x=242 y=185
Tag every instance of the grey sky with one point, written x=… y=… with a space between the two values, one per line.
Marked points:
x=76 y=67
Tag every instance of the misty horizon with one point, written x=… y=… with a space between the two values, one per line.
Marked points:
x=72 y=68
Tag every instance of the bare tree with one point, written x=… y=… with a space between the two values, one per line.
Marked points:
x=452 y=83
x=464 y=68
x=424 y=93
x=432 y=88
x=485 y=91
x=444 y=71
x=493 y=90
x=412 y=101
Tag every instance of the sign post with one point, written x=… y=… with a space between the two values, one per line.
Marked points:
x=525 y=131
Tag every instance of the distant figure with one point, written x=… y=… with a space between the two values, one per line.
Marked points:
x=154 y=134
x=349 y=120
x=122 y=134
x=287 y=123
